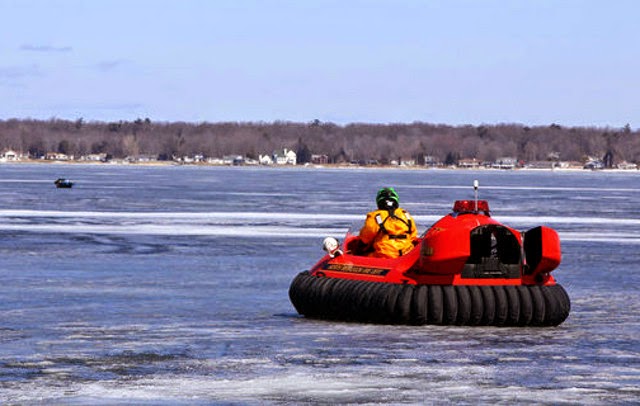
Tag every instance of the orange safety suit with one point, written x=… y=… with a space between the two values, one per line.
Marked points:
x=390 y=236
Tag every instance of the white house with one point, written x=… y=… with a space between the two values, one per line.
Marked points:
x=265 y=160
x=285 y=157
x=94 y=157
x=8 y=155
x=627 y=165
x=469 y=163
x=504 y=163
x=57 y=156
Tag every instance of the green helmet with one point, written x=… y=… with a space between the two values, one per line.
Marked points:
x=387 y=198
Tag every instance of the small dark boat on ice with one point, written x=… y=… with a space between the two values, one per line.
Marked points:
x=62 y=183
x=467 y=269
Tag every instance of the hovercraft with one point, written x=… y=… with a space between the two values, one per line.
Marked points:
x=467 y=269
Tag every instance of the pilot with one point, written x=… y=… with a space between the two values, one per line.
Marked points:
x=388 y=232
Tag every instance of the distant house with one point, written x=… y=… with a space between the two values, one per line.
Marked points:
x=431 y=161
x=284 y=157
x=319 y=159
x=56 y=156
x=542 y=165
x=265 y=159
x=627 y=165
x=407 y=162
x=8 y=155
x=504 y=163
x=186 y=159
x=140 y=158
x=215 y=161
x=469 y=163
x=94 y=157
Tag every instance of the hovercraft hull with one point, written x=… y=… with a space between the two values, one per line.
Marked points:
x=465 y=305
x=467 y=269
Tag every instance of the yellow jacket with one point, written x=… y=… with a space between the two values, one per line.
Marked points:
x=390 y=236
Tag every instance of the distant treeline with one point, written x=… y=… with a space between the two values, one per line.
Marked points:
x=341 y=143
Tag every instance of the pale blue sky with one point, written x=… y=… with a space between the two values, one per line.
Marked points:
x=574 y=63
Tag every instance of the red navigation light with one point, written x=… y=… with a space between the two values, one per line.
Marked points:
x=469 y=206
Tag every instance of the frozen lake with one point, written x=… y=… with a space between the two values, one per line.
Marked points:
x=169 y=285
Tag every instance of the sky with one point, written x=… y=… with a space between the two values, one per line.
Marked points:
x=537 y=62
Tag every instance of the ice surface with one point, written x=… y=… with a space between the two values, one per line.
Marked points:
x=129 y=289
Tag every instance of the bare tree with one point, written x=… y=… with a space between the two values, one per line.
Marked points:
x=342 y=143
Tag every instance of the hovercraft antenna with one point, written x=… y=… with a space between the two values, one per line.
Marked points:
x=475 y=191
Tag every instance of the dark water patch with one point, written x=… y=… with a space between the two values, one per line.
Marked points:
x=121 y=245
x=9 y=334
x=96 y=368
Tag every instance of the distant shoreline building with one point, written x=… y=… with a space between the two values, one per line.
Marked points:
x=9 y=155
x=281 y=157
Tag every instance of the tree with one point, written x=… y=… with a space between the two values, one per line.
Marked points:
x=36 y=149
x=99 y=147
x=130 y=145
x=303 y=154
x=452 y=158
x=65 y=147
x=349 y=142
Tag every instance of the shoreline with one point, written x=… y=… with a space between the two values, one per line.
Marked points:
x=309 y=166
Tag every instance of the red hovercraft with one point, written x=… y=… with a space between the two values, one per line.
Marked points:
x=467 y=269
